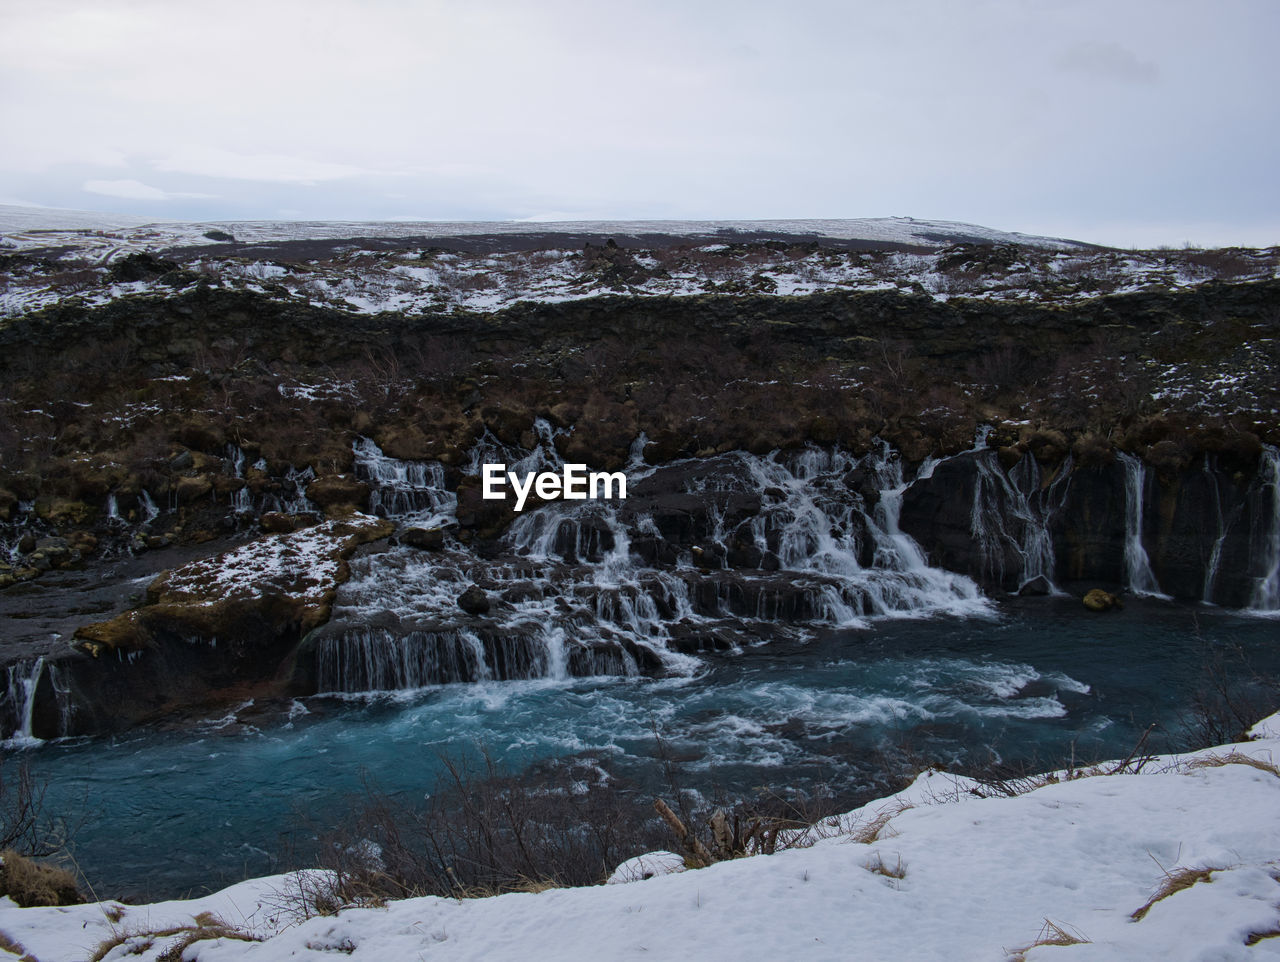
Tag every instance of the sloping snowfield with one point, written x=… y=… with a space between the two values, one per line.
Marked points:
x=1067 y=864
x=44 y=226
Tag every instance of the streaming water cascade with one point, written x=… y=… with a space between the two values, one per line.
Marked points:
x=1266 y=595
x=713 y=555
x=1225 y=519
x=1011 y=517
x=1139 y=577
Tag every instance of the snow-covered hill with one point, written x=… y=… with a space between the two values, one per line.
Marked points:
x=15 y=219
x=413 y=275
x=27 y=227
x=1179 y=860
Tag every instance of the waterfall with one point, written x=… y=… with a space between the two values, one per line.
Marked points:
x=1266 y=593
x=24 y=677
x=824 y=530
x=1139 y=577
x=149 y=510
x=1225 y=521
x=1011 y=513
x=241 y=500
x=402 y=488
x=739 y=550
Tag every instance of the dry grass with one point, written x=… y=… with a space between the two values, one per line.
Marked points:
x=894 y=870
x=1051 y=933
x=205 y=926
x=1234 y=758
x=1174 y=882
x=31 y=883
x=1254 y=938
x=15 y=948
x=531 y=885
x=878 y=828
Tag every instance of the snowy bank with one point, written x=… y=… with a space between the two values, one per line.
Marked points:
x=1070 y=864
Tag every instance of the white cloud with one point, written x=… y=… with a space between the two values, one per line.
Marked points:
x=137 y=190
x=272 y=168
x=999 y=112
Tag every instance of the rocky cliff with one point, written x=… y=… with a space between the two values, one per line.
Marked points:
x=798 y=461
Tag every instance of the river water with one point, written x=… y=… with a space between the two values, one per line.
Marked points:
x=189 y=808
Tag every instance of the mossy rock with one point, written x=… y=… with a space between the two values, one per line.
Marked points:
x=64 y=513
x=192 y=489
x=338 y=490
x=1099 y=600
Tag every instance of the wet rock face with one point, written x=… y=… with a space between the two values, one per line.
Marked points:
x=213 y=625
x=1081 y=515
x=705 y=555
x=938 y=513
x=425 y=539
x=474 y=601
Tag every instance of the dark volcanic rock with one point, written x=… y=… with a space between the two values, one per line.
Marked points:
x=474 y=601
x=426 y=539
x=1088 y=529
x=277 y=522
x=210 y=627
x=1037 y=587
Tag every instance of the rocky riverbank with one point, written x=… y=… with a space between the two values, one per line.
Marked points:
x=797 y=463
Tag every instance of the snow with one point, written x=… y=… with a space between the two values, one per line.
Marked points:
x=411 y=279
x=294 y=565
x=132 y=230
x=981 y=878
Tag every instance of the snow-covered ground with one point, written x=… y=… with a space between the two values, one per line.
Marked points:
x=53 y=226
x=417 y=279
x=1069 y=864
x=406 y=270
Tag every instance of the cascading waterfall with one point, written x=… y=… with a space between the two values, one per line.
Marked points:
x=241 y=499
x=1011 y=515
x=23 y=679
x=1139 y=577
x=1225 y=521
x=571 y=594
x=1266 y=594
x=149 y=510
x=402 y=487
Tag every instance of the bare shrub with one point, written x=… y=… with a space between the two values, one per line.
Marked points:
x=1229 y=699
x=483 y=831
x=1227 y=263
x=25 y=825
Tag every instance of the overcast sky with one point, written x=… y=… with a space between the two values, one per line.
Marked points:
x=1128 y=122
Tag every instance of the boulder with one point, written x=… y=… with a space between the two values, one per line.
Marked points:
x=337 y=490
x=474 y=601
x=1037 y=587
x=427 y=539
x=278 y=522
x=258 y=595
x=192 y=489
x=60 y=512
x=1099 y=600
